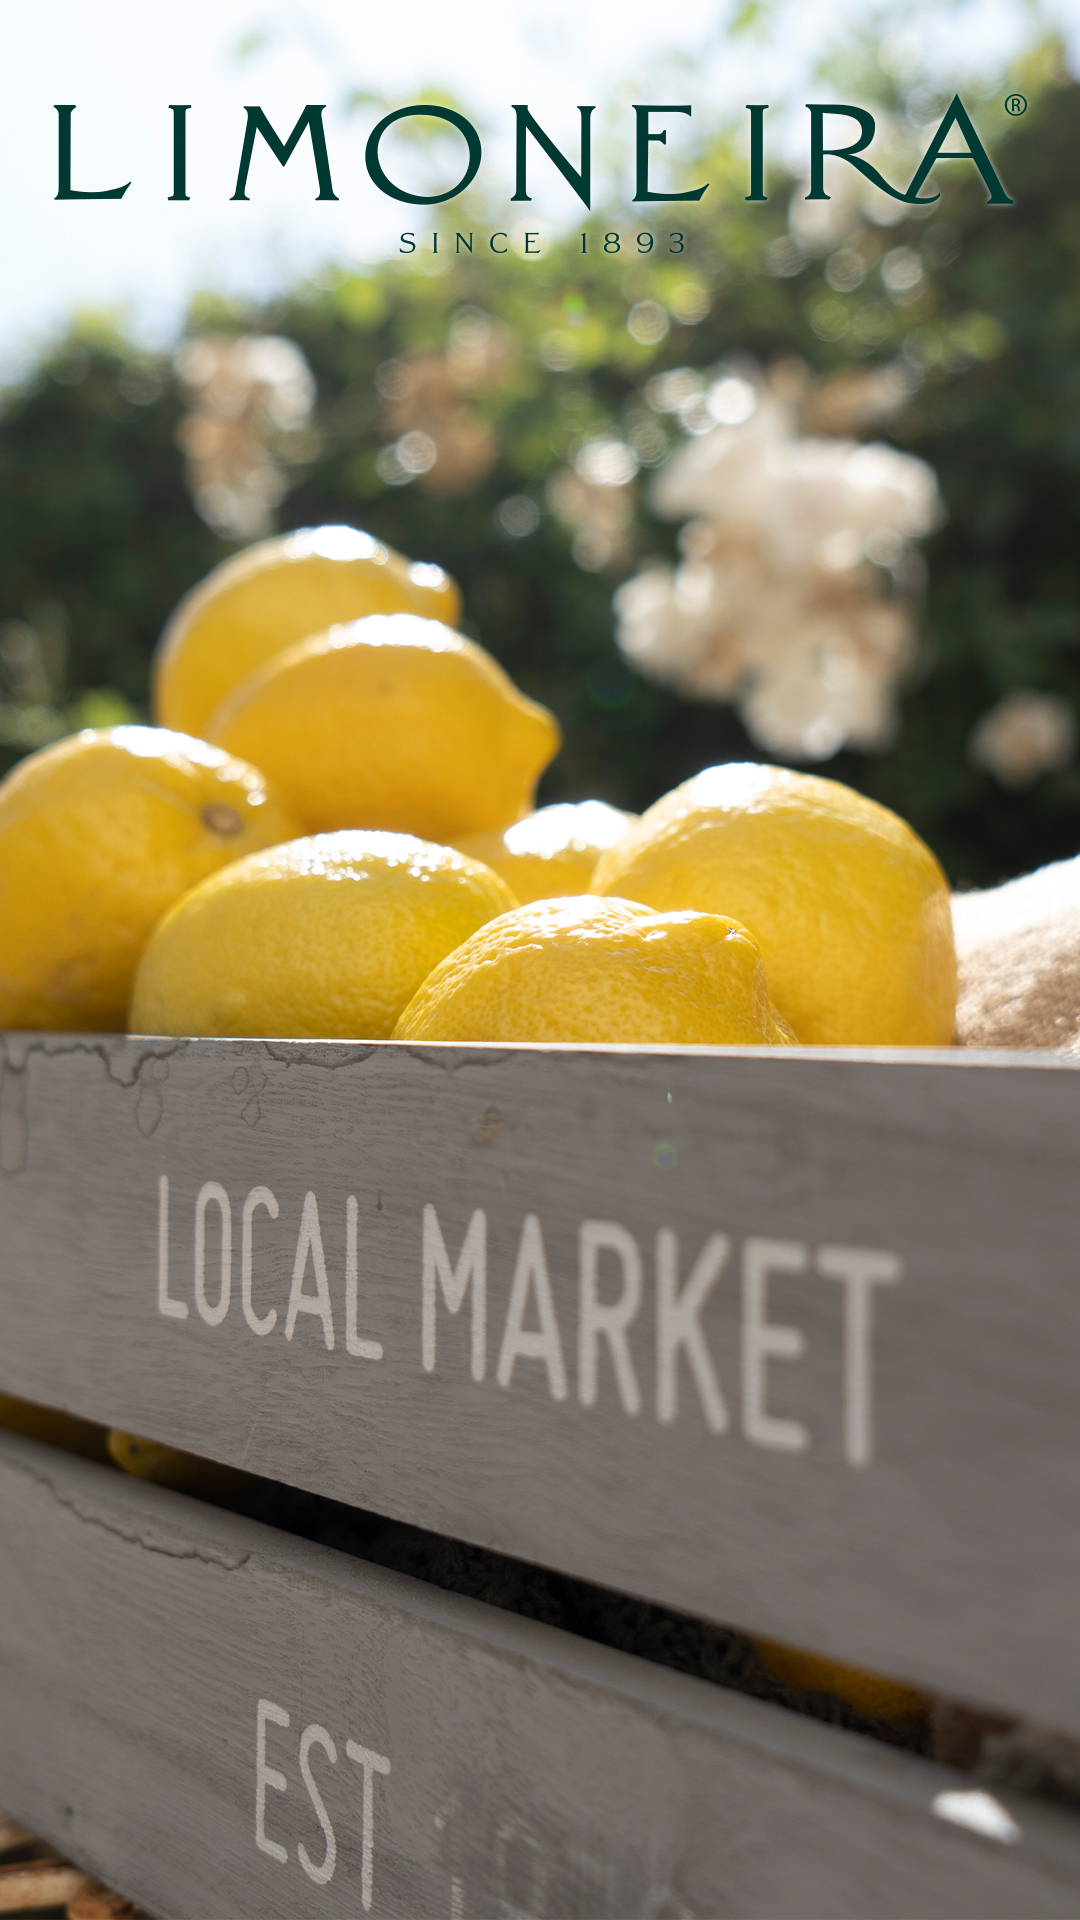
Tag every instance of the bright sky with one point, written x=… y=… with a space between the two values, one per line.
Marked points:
x=123 y=62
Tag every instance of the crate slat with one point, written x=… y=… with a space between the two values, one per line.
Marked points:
x=791 y=1341
x=460 y=1761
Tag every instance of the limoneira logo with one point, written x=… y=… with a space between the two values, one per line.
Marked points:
x=823 y=118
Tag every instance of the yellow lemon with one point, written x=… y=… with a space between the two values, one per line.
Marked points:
x=65 y=1430
x=870 y=1693
x=849 y=907
x=280 y=591
x=392 y=722
x=323 y=939
x=600 y=971
x=184 y=1472
x=553 y=852
x=98 y=835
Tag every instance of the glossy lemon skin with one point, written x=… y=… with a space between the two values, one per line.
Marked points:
x=170 y=1467
x=849 y=907
x=873 y=1694
x=605 y=972
x=64 y=1430
x=554 y=852
x=99 y=834
x=326 y=938
x=263 y=600
x=392 y=722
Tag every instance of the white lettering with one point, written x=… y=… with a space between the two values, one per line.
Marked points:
x=316 y=1736
x=762 y=1341
x=679 y=1330
x=518 y=1859
x=454 y=1281
x=608 y=1321
x=372 y=1763
x=211 y=1191
x=532 y=1271
x=258 y=1197
x=172 y=1309
x=318 y=1303
x=266 y=1776
x=677 y=1326
x=359 y=1349
x=859 y=1269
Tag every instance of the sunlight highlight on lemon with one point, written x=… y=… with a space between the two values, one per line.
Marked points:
x=279 y=591
x=98 y=835
x=600 y=971
x=392 y=722
x=848 y=905
x=325 y=938
x=553 y=852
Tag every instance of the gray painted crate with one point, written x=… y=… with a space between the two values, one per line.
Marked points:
x=226 y=1721
x=790 y=1340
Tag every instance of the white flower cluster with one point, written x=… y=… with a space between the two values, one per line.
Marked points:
x=594 y=498
x=1024 y=736
x=249 y=395
x=438 y=435
x=792 y=598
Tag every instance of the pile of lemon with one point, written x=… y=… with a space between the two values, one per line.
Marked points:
x=330 y=834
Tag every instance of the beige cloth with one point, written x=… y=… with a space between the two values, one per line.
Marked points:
x=1018 y=948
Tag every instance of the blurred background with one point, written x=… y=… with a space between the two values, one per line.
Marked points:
x=806 y=490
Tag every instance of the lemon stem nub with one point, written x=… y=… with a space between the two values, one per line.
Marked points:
x=222 y=820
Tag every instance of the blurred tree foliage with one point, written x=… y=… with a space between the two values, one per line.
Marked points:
x=99 y=538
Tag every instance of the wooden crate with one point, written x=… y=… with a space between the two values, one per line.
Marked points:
x=789 y=1341
x=227 y=1721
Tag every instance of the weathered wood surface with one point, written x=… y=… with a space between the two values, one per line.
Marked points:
x=168 y=1673
x=789 y=1341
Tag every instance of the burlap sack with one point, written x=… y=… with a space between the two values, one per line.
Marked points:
x=1018 y=948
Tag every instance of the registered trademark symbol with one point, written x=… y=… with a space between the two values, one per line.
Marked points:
x=1016 y=104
